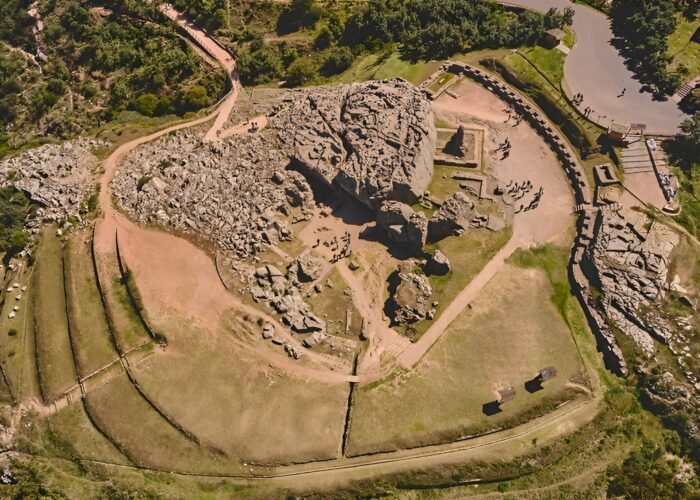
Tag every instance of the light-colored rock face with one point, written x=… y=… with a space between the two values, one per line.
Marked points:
x=373 y=140
x=629 y=261
x=411 y=299
x=58 y=177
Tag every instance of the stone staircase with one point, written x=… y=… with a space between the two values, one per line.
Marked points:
x=685 y=89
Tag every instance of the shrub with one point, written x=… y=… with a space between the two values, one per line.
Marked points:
x=338 y=60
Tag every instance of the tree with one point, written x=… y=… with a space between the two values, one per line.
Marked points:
x=299 y=14
x=337 y=60
x=301 y=71
x=684 y=148
x=196 y=98
x=259 y=64
x=324 y=39
x=146 y=104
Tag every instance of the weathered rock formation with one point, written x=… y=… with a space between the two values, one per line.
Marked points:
x=627 y=261
x=403 y=225
x=437 y=264
x=283 y=295
x=410 y=301
x=373 y=140
x=457 y=145
x=452 y=218
x=60 y=178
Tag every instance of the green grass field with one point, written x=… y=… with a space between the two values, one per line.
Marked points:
x=14 y=332
x=70 y=434
x=468 y=254
x=548 y=61
x=512 y=331
x=141 y=433
x=235 y=400
x=377 y=67
x=57 y=371
x=93 y=343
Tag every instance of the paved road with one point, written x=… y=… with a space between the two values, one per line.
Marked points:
x=596 y=69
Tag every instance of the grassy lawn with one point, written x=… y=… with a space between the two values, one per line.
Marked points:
x=14 y=332
x=232 y=398
x=682 y=48
x=468 y=254
x=548 y=61
x=93 y=342
x=128 y=330
x=442 y=185
x=512 y=331
x=70 y=434
x=54 y=357
x=141 y=433
x=570 y=37
x=332 y=305
x=442 y=80
x=376 y=67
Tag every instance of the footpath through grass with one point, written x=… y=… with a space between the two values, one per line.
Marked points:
x=512 y=331
x=57 y=371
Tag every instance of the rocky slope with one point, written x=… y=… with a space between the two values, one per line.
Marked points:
x=372 y=140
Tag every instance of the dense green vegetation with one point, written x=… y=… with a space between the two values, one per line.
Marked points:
x=15 y=207
x=314 y=40
x=90 y=64
x=642 y=28
x=684 y=152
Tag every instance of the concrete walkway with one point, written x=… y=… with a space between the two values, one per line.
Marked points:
x=597 y=70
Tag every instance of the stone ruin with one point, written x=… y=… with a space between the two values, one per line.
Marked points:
x=373 y=140
x=457 y=145
x=282 y=292
x=410 y=301
x=627 y=261
x=60 y=178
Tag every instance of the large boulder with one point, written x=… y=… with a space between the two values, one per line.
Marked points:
x=374 y=140
x=403 y=225
x=437 y=264
x=305 y=268
x=453 y=217
x=410 y=301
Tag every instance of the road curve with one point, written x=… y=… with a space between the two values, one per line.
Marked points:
x=597 y=70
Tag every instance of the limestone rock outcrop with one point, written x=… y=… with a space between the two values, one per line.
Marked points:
x=628 y=262
x=403 y=225
x=437 y=264
x=373 y=140
x=452 y=218
x=410 y=301
x=59 y=177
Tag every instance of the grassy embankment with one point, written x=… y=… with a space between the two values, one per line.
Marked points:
x=94 y=346
x=249 y=409
x=57 y=372
x=682 y=48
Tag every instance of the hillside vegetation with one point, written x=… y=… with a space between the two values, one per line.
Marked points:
x=88 y=63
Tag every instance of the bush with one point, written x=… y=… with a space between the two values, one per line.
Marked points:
x=301 y=71
x=299 y=14
x=12 y=332
x=259 y=64
x=338 y=60
x=146 y=104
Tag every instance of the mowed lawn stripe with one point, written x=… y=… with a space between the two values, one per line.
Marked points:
x=94 y=348
x=57 y=373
